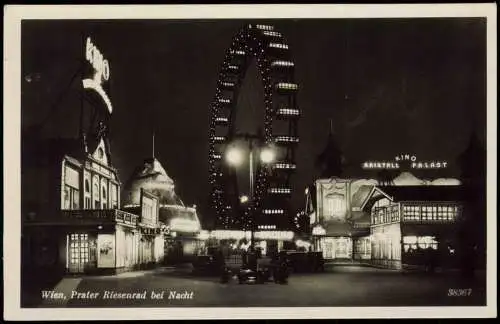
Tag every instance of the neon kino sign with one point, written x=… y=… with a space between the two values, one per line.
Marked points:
x=101 y=72
x=407 y=159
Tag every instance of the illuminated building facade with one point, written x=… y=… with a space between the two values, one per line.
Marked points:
x=71 y=217
x=340 y=229
x=409 y=222
x=181 y=221
x=359 y=219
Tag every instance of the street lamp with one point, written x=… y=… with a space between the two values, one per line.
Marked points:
x=267 y=155
x=234 y=157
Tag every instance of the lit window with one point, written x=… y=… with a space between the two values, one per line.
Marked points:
x=437 y=213
x=104 y=204
x=281 y=63
x=87 y=203
x=265 y=27
x=278 y=45
x=287 y=111
x=335 y=205
x=271 y=33
x=411 y=213
x=114 y=196
x=100 y=153
x=78 y=249
x=86 y=200
x=66 y=198
x=96 y=193
x=71 y=199
x=287 y=85
x=412 y=243
x=394 y=211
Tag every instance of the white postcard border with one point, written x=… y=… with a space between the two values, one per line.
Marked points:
x=13 y=15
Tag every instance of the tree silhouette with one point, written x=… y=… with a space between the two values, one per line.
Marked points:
x=385 y=177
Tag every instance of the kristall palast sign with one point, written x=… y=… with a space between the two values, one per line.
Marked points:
x=402 y=160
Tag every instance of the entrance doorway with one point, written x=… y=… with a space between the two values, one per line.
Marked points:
x=78 y=252
x=342 y=248
x=328 y=248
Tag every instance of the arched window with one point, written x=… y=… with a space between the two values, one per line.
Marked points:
x=335 y=206
x=87 y=194
x=104 y=200
x=100 y=153
x=96 y=193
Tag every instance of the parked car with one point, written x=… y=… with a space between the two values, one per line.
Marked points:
x=207 y=265
x=259 y=276
x=255 y=270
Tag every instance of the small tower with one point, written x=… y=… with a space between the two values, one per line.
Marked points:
x=472 y=162
x=331 y=161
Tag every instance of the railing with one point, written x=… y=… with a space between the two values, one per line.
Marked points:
x=124 y=217
x=112 y=215
x=420 y=220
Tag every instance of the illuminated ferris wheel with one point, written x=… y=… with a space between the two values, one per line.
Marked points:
x=270 y=204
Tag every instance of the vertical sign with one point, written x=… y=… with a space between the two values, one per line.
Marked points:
x=101 y=72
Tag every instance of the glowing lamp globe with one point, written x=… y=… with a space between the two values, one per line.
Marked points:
x=234 y=156
x=267 y=156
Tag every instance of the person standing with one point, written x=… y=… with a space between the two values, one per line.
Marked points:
x=251 y=259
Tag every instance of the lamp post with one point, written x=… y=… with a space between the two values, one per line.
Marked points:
x=234 y=157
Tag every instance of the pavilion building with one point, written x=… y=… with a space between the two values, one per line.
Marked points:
x=71 y=216
x=182 y=222
x=361 y=220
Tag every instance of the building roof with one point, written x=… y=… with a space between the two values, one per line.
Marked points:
x=359 y=197
x=180 y=219
x=423 y=193
x=151 y=176
x=151 y=168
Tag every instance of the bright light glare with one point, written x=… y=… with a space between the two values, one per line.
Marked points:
x=318 y=230
x=244 y=199
x=203 y=235
x=234 y=156
x=267 y=155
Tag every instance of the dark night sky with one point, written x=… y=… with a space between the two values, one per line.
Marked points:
x=350 y=70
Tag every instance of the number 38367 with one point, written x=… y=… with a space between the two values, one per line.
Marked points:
x=459 y=292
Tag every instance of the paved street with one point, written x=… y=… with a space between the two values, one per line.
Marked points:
x=338 y=286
